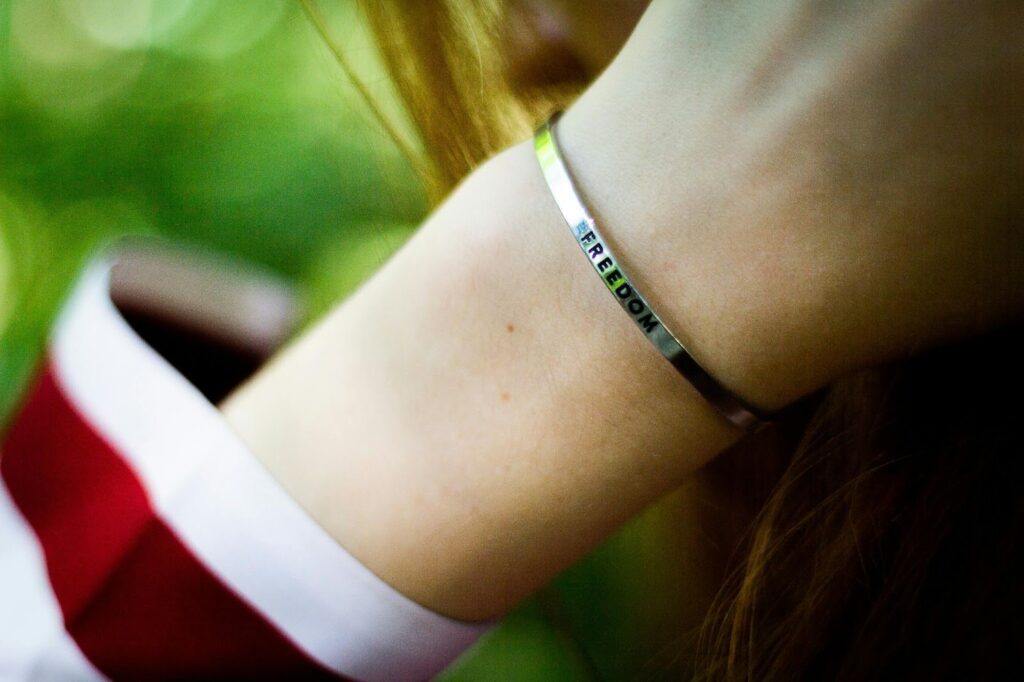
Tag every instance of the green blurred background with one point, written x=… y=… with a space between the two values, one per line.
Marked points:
x=222 y=123
x=228 y=125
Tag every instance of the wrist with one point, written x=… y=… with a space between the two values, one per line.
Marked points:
x=810 y=216
x=731 y=287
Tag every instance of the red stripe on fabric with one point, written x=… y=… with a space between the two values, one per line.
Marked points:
x=134 y=598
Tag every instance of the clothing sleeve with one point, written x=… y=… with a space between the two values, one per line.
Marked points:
x=139 y=539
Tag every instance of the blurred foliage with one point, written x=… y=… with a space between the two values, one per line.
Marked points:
x=221 y=123
x=226 y=124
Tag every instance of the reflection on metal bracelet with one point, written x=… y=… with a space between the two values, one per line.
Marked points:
x=608 y=266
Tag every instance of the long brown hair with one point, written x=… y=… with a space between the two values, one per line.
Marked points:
x=889 y=546
x=886 y=542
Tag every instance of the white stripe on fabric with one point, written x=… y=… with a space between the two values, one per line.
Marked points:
x=231 y=513
x=33 y=642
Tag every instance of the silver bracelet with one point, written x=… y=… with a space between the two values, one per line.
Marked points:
x=607 y=265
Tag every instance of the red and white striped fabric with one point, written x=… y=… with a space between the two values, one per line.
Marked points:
x=140 y=540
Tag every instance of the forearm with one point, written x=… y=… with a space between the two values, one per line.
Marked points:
x=482 y=412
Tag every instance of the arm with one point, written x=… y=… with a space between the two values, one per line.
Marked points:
x=482 y=413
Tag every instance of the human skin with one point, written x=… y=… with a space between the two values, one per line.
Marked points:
x=800 y=189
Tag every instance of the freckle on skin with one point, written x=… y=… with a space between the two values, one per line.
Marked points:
x=510 y=327
x=505 y=396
